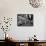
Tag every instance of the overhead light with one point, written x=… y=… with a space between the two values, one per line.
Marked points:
x=35 y=3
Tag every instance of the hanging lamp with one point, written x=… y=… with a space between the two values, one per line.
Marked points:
x=36 y=3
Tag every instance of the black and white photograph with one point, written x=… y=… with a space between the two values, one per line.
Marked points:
x=24 y=19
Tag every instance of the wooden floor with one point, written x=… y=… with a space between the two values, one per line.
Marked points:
x=4 y=43
x=26 y=43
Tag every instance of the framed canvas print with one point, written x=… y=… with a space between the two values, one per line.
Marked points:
x=24 y=19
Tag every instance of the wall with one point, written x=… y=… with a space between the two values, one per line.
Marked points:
x=10 y=8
